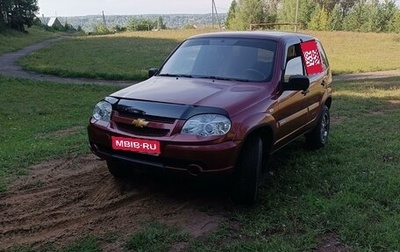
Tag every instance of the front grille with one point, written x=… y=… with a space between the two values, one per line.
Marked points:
x=148 y=118
x=147 y=131
x=155 y=126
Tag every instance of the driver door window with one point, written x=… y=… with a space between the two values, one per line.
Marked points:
x=294 y=63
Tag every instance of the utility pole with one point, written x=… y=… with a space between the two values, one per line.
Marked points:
x=104 y=20
x=214 y=12
x=296 y=17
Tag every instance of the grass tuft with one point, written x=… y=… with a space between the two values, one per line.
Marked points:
x=155 y=237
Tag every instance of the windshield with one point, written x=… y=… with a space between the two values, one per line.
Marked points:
x=223 y=58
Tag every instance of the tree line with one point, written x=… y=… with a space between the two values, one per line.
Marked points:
x=17 y=14
x=328 y=15
x=135 y=24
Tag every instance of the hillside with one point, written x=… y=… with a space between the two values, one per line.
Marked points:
x=172 y=20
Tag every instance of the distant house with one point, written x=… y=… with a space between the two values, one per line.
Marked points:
x=37 y=21
x=55 y=23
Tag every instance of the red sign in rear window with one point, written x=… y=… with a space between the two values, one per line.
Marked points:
x=311 y=56
x=136 y=145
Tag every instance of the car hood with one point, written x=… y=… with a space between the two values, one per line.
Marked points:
x=231 y=96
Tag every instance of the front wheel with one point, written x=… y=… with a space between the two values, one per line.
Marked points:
x=318 y=137
x=248 y=171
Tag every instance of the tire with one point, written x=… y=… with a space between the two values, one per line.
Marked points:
x=248 y=172
x=118 y=169
x=318 y=137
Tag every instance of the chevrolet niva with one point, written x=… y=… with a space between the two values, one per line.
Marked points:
x=221 y=103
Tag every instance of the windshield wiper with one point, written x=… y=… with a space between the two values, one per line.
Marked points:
x=177 y=75
x=221 y=78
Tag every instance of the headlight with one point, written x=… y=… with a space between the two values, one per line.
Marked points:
x=207 y=125
x=102 y=111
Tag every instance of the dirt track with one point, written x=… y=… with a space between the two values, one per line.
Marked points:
x=62 y=200
x=65 y=199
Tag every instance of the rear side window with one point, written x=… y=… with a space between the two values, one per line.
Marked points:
x=306 y=58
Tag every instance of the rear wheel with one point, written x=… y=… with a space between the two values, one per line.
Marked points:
x=318 y=137
x=248 y=172
x=118 y=169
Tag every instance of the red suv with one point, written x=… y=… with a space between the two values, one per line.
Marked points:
x=220 y=103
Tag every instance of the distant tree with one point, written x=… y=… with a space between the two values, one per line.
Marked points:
x=140 y=25
x=159 y=24
x=288 y=11
x=319 y=20
x=119 y=28
x=346 y=5
x=335 y=19
x=388 y=15
x=101 y=29
x=305 y=12
x=271 y=10
x=248 y=12
x=5 y=5
x=357 y=17
x=16 y=14
x=68 y=27
x=230 y=19
x=394 y=23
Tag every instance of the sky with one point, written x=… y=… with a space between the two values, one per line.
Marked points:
x=64 y=8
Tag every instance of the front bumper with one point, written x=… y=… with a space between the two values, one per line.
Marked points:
x=188 y=157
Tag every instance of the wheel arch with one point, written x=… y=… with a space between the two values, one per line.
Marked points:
x=328 y=102
x=266 y=133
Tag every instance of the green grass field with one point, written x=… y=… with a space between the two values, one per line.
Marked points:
x=34 y=111
x=129 y=55
x=348 y=190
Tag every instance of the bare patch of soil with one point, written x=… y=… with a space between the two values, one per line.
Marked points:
x=65 y=199
x=331 y=243
x=63 y=133
x=394 y=102
x=337 y=120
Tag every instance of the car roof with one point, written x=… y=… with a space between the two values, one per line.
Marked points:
x=272 y=35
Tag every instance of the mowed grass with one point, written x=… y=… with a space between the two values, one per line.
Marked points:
x=13 y=40
x=41 y=120
x=354 y=52
x=345 y=195
x=129 y=55
x=124 y=56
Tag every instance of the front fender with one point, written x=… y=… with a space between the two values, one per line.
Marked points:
x=253 y=123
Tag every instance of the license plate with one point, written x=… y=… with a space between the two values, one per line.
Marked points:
x=136 y=145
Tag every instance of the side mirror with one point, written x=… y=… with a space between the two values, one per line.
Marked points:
x=152 y=72
x=296 y=83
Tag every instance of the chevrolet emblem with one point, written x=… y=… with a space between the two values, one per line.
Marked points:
x=139 y=123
